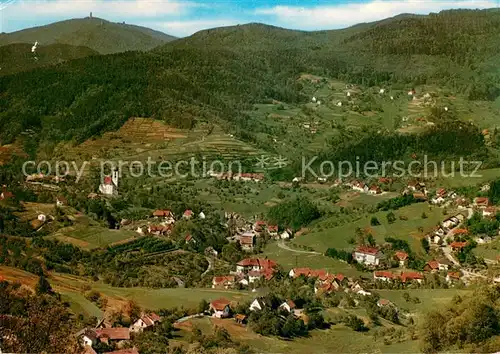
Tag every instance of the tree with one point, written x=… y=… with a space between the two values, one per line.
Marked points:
x=425 y=245
x=391 y=217
x=43 y=286
x=494 y=192
x=371 y=240
x=203 y=306
x=374 y=221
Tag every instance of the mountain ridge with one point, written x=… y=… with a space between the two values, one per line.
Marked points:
x=98 y=34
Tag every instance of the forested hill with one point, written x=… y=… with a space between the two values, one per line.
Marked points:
x=217 y=74
x=18 y=57
x=100 y=35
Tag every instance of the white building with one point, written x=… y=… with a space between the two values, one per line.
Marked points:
x=368 y=255
x=110 y=185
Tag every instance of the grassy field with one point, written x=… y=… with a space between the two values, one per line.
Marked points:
x=429 y=298
x=336 y=339
x=489 y=250
x=321 y=239
x=288 y=260
x=72 y=289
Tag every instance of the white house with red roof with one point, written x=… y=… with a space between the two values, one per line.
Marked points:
x=109 y=187
x=272 y=230
x=188 y=214
x=368 y=255
x=255 y=264
x=220 y=308
x=223 y=282
x=383 y=275
x=402 y=257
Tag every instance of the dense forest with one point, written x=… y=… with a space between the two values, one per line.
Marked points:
x=217 y=74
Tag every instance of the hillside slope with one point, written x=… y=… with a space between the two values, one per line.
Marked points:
x=102 y=36
x=18 y=57
x=216 y=75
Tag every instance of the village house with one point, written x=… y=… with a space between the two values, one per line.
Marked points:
x=188 y=214
x=285 y=235
x=411 y=277
x=434 y=265
x=158 y=230
x=240 y=318
x=220 y=308
x=257 y=304
x=385 y=303
x=289 y=306
x=189 y=239
x=223 y=282
x=419 y=196
x=272 y=230
x=247 y=241
x=6 y=195
x=259 y=226
x=401 y=257
x=87 y=336
x=415 y=186
x=146 y=321
x=202 y=215
x=453 y=277
x=489 y=212
x=109 y=186
x=438 y=200
x=61 y=201
x=374 y=189
x=109 y=335
x=360 y=186
x=255 y=264
x=450 y=223
x=383 y=275
x=481 y=202
x=166 y=215
x=368 y=255
x=457 y=246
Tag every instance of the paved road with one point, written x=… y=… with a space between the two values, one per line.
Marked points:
x=282 y=245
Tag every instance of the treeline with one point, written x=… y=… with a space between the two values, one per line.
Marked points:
x=397 y=202
x=294 y=213
x=147 y=261
x=470 y=323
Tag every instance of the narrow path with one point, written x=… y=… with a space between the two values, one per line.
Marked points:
x=186 y=318
x=282 y=245
x=210 y=266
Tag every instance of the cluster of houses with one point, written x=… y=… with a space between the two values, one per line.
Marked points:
x=247 y=235
x=223 y=308
x=118 y=336
x=404 y=277
x=248 y=271
x=239 y=177
x=360 y=186
x=448 y=228
x=164 y=222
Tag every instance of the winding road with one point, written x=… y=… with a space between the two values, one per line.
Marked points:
x=210 y=266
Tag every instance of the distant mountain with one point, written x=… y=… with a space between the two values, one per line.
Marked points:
x=100 y=35
x=216 y=75
x=18 y=57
